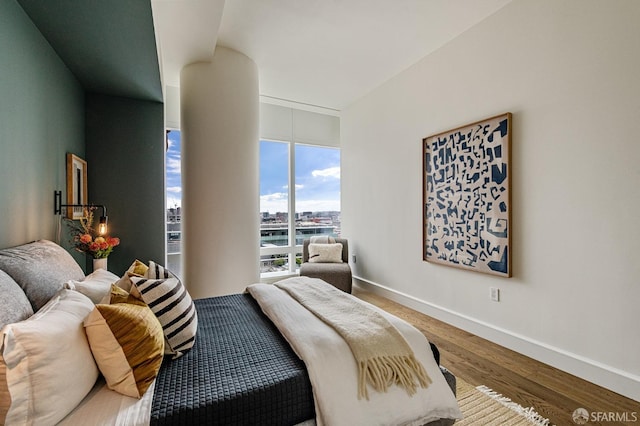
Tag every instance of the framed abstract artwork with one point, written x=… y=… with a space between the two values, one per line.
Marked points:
x=76 y=185
x=467 y=196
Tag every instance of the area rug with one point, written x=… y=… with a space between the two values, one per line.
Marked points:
x=482 y=406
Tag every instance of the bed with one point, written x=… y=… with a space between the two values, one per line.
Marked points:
x=254 y=376
x=240 y=370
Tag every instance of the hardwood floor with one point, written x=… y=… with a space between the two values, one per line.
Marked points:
x=553 y=393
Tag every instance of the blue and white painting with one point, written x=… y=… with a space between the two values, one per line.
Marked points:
x=467 y=212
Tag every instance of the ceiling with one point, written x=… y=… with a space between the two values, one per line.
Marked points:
x=323 y=53
x=108 y=45
x=326 y=53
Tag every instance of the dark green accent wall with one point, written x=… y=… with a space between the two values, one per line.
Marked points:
x=45 y=113
x=125 y=159
x=41 y=119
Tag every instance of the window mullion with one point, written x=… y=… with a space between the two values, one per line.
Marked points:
x=292 y=207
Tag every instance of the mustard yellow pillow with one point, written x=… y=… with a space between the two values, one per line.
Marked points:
x=127 y=343
x=5 y=396
x=119 y=295
x=138 y=268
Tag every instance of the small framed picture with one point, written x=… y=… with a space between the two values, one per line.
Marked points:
x=77 y=192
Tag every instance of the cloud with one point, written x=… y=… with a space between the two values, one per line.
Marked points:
x=331 y=172
x=298 y=187
x=173 y=165
x=174 y=189
x=274 y=203
x=277 y=196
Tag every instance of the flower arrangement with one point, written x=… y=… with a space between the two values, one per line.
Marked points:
x=86 y=239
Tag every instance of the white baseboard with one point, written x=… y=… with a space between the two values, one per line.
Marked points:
x=611 y=378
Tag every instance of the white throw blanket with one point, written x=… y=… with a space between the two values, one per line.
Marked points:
x=383 y=356
x=333 y=371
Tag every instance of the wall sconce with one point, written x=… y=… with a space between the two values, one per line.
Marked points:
x=57 y=209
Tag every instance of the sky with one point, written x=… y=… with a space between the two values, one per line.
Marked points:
x=317 y=178
x=174 y=184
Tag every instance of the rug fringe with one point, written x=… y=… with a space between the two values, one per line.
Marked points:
x=529 y=413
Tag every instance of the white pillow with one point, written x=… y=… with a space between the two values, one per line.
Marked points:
x=325 y=253
x=49 y=365
x=95 y=286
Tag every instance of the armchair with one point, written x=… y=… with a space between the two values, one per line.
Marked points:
x=336 y=274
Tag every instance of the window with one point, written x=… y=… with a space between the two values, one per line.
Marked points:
x=299 y=198
x=174 y=201
x=274 y=194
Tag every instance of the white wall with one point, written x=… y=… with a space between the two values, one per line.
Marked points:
x=172 y=107
x=568 y=71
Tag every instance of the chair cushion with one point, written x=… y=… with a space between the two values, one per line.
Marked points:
x=336 y=274
x=345 y=248
x=325 y=253
x=322 y=239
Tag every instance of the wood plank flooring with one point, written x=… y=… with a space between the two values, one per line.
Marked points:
x=553 y=393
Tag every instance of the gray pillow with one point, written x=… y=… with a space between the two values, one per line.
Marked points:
x=15 y=305
x=40 y=268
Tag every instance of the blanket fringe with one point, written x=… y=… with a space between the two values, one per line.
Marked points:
x=384 y=371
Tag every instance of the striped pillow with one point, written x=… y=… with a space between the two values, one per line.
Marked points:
x=157 y=271
x=171 y=303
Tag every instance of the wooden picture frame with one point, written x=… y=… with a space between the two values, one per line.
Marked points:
x=77 y=192
x=467 y=196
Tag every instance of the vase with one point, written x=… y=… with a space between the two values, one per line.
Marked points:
x=100 y=264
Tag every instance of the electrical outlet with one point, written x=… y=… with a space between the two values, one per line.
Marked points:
x=494 y=294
